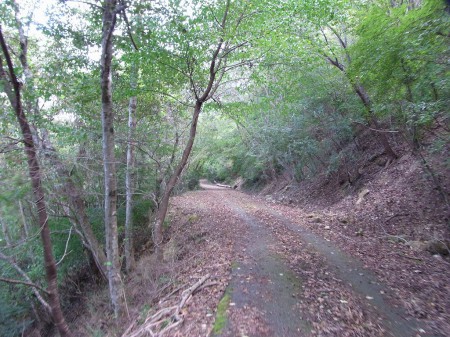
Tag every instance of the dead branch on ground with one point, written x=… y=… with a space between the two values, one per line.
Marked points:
x=167 y=318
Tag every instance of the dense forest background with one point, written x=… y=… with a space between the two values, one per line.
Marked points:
x=120 y=103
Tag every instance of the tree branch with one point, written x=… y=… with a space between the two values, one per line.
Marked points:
x=376 y=130
x=29 y=284
x=33 y=286
x=334 y=62
x=65 y=249
x=125 y=18
x=212 y=68
x=341 y=42
x=86 y=3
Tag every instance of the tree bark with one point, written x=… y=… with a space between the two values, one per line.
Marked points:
x=13 y=91
x=31 y=107
x=26 y=232
x=164 y=203
x=129 y=185
x=76 y=201
x=116 y=290
x=362 y=94
x=200 y=99
x=70 y=189
x=5 y=231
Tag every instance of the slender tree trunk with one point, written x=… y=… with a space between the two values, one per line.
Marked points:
x=76 y=201
x=26 y=232
x=28 y=280
x=130 y=176
x=116 y=290
x=215 y=76
x=410 y=98
x=31 y=107
x=5 y=231
x=129 y=182
x=415 y=144
x=164 y=203
x=362 y=94
x=14 y=96
x=70 y=189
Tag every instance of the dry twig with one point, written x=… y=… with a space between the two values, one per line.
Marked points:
x=167 y=318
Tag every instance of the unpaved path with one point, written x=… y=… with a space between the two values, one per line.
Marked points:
x=263 y=286
x=287 y=281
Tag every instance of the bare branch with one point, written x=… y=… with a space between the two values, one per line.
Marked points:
x=341 y=42
x=86 y=3
x=34 y=288
x=376 y=130
x=65 y=249
x=218 y=81
x=334 y=62
x=212 y=68
x=125 y=18
x=172 y=157
x=172 y=97
x=33 y=285
x=228 y=51
x=215 y=18
x=191 y=78
x=181 y=71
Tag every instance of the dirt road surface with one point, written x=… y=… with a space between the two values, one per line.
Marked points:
x=280 y=278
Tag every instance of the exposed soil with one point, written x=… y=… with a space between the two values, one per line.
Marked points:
x=263 y=289
x=284 y=271
x=363 y=251
x=360 y=252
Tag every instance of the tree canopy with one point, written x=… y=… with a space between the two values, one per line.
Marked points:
x=221 y=89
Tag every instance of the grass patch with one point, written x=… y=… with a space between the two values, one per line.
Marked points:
x=166 y=224
x=193 y=218
x=221 y=314
x=144 y=313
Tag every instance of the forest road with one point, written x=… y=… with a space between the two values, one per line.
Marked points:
x=287 y=281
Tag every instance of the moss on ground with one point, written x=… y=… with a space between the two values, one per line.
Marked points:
x=221 y=314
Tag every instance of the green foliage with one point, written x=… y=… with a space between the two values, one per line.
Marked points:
x=14 y=318
x=282 y=108
x=95 y=332
x=293 y=125
x=297 y=114
x=400 y=55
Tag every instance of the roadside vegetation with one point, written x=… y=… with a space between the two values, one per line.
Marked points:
x=109 y=108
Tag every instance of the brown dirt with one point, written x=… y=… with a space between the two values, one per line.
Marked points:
x=387 y=229
x=294 y=272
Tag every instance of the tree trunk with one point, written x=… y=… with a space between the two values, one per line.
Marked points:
x=164 y=203
x=70 y=189
x=26 y=232
x=362 y=94
x=213 y=83
x=116 y=290
x=5 y=231
x=14 y=96
x=129 y=184
x=76 y=201
x=31 y=107
x=415 y=144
